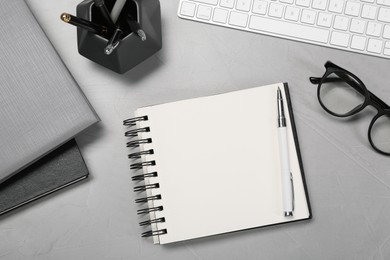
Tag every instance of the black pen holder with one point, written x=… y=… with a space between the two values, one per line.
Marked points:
x=131 y=50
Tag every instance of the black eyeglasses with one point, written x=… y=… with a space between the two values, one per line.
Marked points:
x=342 y=94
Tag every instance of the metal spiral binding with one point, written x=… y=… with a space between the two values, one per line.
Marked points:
x=146 y=199
x=133 y=121
x=148 y=222
x=146 y=187
x=138 y=155
x=154 y=233
x=142 y=177
x=137 y=143
x=140 y=165
x=132 y=133
x=148 y=210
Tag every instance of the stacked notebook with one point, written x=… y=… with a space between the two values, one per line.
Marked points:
x=59 y=169
x=42 y=107
x=211 y=165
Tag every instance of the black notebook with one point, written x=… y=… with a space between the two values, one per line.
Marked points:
x=211 y=165
x=61 y=168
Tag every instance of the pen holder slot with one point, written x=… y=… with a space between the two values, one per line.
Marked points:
x=129 y=7
x=131 y=50
x=96 y=15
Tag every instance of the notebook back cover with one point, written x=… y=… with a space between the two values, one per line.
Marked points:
x=41 y=105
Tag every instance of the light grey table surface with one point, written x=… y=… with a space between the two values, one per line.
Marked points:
x=348 y=183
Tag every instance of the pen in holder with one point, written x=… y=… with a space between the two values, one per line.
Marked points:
x=135 y=37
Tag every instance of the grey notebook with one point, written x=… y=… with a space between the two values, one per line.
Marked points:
x=41 y=105
x=59 y=169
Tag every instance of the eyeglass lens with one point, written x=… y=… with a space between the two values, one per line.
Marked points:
x=338 y=96
x=380 y=133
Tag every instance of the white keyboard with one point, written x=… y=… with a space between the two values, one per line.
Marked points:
x=353 y=25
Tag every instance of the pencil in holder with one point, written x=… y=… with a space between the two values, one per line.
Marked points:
x=132 y=48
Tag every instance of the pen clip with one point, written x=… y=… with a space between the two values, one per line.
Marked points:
x=292 y=189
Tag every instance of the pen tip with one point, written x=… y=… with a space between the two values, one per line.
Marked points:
x=65 y=17
x=279 y=93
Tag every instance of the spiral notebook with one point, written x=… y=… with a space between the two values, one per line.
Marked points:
x=210 y=165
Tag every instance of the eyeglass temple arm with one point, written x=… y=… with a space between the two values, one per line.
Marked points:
x=316 y=80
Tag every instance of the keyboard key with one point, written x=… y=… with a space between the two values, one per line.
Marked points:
x=275 y=10
x=341 y=22
x=358 y=42
x=204 y=12
x=336 y=6
x=287 y=1
x=187 y=9
x=386 y=32
x=305 y=3
x=352 y=8
x=383 y=2
x=210 y=2
x=384 y=15
x=374 y=46
x=227 y=3
x=319 y=4
x=288 y=29
x=368 y=1
x=238 y=19
x=387 y=49
x=324 y=19
x=259 y=7
x=374 y=29
x=339 y=39
x=220 y=15
x=243 y=5
x=308 y=16
x=369 y=11
x=292 y=13
x=357 y=26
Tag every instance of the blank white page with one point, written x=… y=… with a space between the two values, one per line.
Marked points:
x=218 y=164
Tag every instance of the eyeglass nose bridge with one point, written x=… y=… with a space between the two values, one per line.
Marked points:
x=378 y=103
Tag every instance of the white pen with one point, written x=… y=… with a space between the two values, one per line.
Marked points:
x=287 y=181
x=116 y=9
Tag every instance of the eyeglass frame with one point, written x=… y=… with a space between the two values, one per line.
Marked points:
x=370 y=98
